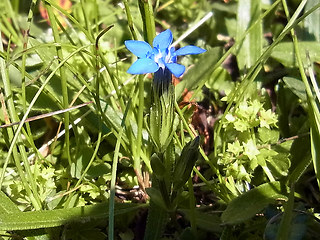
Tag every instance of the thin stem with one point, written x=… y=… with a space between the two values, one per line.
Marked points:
x=113 y=80
x=63 y=78
x=114 y=174
x=140 y=125
x=130 y=22
x=23 y=73
x=24 y=54
x=86 y=20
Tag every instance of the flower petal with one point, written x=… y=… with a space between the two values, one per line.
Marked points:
x=138 y=48
x=176 y=69
x=189 y=50
x=142 y=66
x=163 y=40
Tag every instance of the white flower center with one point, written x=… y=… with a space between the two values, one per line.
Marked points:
x=157 y=59
x=162 y=57
x=157 y=56
x=168 y=56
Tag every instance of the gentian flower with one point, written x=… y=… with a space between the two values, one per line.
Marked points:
x=161 y=56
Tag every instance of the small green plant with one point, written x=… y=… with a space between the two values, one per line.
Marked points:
x=248 y=132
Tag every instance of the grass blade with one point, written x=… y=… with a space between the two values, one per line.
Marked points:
x=59 y=217
x=251 y=48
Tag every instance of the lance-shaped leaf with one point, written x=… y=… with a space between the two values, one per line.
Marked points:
x=185 y=163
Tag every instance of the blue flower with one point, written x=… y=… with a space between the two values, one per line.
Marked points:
x=162 y=55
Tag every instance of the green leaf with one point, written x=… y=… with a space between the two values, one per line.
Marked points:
x=251 y=48
x=156 y=197
x=58 y=217
x=297 y=87
x=157 y=165
x=300 y=158
x=279 y=165
x=252 y=202
x=268 y=135
x=157 y=219
x=185 y=163
x=97 y=170
x=221 y=81
x=284 y=52
x=286 y=101
x=205 y=221
x=7 y=206
x=312 y=22
x=82 y=159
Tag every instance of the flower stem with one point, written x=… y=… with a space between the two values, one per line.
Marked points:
x=136 y=164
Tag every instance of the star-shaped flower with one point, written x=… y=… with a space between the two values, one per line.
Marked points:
x=162 y=55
